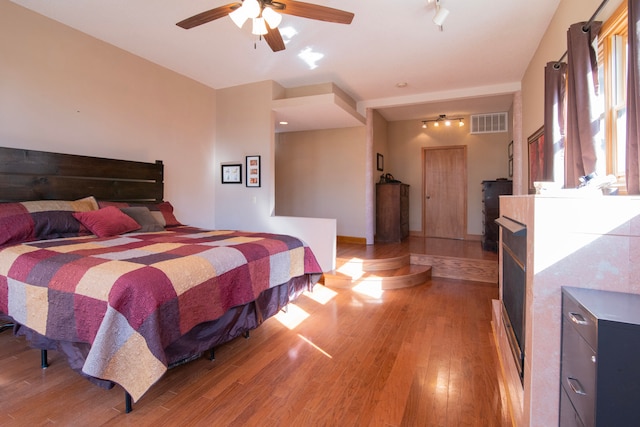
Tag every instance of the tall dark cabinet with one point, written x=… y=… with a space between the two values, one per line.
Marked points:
x=392 y=212
x=491 y=190
x=600 y=373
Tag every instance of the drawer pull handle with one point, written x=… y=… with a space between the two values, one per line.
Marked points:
x=575 y=386
x=578 y=318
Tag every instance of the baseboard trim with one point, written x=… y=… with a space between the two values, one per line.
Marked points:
x=351 y=239
x=474 y=237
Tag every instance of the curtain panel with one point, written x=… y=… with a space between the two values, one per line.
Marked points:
x=583 y=122
x=555 y=77
x=633 y=99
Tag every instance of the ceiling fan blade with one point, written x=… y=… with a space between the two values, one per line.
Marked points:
x=314 y=11
x=208 y=16
x=274 y=39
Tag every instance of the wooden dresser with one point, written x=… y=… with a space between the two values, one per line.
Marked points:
x=392 y=212
x=491 y=191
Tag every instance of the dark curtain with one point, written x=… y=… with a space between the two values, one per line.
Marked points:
x=633 y=98
x=582 y=88
x=555 y=76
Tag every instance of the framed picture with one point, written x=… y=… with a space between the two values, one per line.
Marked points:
x=536 y=158
x=253 y=171
x=380 y=162
x=232 y=174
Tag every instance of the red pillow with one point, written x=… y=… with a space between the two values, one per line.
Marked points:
x=106 y=222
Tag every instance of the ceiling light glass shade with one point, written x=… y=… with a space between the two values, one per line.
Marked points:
x=447 y=123
x=272 y=17
x=239 y=16
x=436 y=124
x=259 y=27
x=460 y=123
x=441 y=15
x=251 y=8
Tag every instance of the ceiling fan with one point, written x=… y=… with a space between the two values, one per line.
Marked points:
x=265 y=16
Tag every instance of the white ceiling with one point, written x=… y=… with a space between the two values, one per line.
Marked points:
x=472 y=66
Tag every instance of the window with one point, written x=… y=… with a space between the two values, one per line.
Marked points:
x=612 y=74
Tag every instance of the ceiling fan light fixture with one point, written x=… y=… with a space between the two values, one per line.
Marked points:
x=272 y=17
x=239 y=16
x=251 y=8
x=259 y=27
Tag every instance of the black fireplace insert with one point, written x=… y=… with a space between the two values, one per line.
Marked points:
x=513 y=295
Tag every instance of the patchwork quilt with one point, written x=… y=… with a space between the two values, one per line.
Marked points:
x=130 y=296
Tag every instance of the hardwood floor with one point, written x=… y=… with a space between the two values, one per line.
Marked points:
x=420 y=356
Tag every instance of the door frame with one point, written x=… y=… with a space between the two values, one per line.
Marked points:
x=424 y=190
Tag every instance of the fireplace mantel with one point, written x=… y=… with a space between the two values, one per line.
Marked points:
x=587 y=242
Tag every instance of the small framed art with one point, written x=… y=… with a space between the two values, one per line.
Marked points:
x=253 y=171
x=380 y=162
x=232 y=174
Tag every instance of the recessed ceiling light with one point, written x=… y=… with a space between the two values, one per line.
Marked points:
x=284 y=123
x=402 y=84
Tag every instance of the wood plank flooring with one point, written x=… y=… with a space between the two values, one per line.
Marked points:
x=420 y=356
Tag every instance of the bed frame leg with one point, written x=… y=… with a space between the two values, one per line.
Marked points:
x=212 y=355
x=128 y=406
x=44 y=363
x=246 y=334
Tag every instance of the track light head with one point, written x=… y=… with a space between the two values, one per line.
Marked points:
x=441 y=15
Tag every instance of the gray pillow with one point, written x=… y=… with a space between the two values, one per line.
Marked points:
x=143 y=216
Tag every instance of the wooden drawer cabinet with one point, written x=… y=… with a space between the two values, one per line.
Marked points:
x=392 y=212
x=491 y=191
x=600 y=358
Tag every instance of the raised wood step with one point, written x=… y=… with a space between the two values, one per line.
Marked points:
x=374 y=264
x=395 y=278
x=477 y=270
x=407 y=270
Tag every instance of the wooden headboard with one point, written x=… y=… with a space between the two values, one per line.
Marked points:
x=40 y=175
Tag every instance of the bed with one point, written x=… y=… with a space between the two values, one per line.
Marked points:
x=94 y=264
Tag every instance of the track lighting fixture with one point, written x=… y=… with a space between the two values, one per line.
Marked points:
x=441 y=15
x=443 y=119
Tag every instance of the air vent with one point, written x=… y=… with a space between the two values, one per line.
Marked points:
x=489 y=123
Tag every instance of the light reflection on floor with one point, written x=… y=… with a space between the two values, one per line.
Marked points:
x=321 y=294
x=292 y=317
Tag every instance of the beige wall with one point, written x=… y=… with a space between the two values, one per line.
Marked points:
x=551 y=48
x=379 y=141
x=245 y=127
x=487 y=159
x=322 y=174
x=63 y=91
